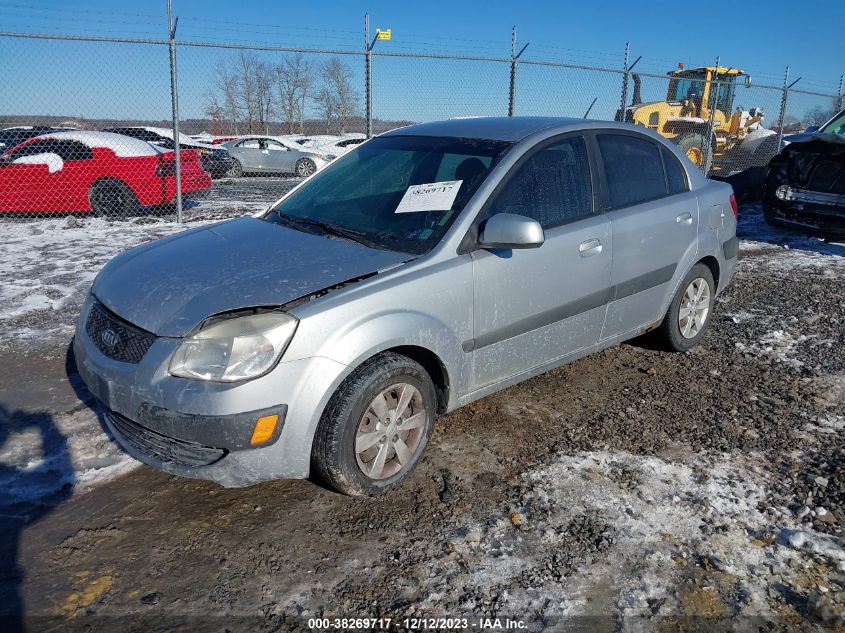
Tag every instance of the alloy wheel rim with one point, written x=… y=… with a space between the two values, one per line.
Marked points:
x=695 y=307
x=390 y=432
x=306 y=168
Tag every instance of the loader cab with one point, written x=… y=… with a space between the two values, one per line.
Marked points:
x=692 y=89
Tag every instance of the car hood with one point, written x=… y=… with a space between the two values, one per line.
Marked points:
x=168 y=287
x=816 y=163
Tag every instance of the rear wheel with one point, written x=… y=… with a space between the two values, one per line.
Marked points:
x=688 y=316
x=236 y=170
x=305 y=167
x=375 y=427
x=112 y=198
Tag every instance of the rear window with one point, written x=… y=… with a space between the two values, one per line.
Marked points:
x=633 y=169
x=676 y=177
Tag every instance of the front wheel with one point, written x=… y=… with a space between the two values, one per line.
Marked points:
x=689 y=313
x=305 y=167
x=375 y=427
x=112 y=198
x=692 y=144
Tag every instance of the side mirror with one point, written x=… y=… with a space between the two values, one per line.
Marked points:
x=508 y=230
x=811 y=129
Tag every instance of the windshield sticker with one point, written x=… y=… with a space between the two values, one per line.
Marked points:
x=433 y=196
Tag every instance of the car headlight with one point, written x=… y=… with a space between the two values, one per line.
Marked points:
x=235 y=349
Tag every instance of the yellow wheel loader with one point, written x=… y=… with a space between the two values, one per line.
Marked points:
x=738 y=141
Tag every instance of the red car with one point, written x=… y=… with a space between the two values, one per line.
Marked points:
x=109 y=174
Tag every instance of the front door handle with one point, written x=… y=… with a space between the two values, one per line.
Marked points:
x=590 y=247
x=684 y=218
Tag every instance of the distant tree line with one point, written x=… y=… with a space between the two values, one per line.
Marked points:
x=248 y=94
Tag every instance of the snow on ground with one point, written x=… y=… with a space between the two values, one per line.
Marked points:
x=47 y=266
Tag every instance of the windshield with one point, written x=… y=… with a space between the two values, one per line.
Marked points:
x=369 y=195
x=837 y=126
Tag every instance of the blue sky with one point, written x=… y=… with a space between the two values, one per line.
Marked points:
x=80 y=79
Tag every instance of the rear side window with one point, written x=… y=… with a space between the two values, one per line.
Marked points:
x=633 y=169
x=553 y=186
x=73 y=150
x=676 y=177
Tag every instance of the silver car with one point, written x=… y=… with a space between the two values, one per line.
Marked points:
x=427 y=268
x=265 y=154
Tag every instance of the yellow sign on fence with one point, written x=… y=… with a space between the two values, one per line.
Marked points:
x=383 y=35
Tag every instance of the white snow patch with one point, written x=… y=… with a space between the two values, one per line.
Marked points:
x=53 y=161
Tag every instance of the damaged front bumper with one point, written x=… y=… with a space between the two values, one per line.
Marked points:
x=806 y=210
x=204 y=430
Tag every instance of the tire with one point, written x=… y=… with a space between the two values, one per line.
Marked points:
x=236 y=171
x=692 y=144
x=675 y=335
x=351 y=421
x=112 y=199
x=305 y=167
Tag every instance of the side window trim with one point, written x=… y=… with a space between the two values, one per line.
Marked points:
x=470 y=241
x=600 y=161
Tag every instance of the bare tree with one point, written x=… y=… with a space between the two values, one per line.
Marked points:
x=326 y=105
x=292 y=82
x=223 y=97
x=337 y=82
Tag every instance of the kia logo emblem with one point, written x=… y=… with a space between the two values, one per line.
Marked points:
x=109 y=338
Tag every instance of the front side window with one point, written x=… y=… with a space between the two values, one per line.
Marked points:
x=552 y=186
x=250 y=143
x=274 y=145
x=359 y=194
x=633 y=169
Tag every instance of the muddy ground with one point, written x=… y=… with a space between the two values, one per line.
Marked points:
x=631 y=490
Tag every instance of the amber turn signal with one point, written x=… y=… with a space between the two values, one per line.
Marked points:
x=264 y=428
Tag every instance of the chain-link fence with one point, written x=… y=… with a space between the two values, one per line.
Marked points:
x=88 y=122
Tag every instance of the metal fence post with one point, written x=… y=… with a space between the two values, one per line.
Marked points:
x=839 y=94
x=174 y=101
x=514 y=57
x=368 y=75
x=712 y=101
x=783 y=100
x=512 y=90
x=624 y=82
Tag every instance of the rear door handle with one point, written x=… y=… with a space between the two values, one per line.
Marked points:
x=590 y=247
x=684 y=218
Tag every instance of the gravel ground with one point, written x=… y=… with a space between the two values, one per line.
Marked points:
x=631 y=490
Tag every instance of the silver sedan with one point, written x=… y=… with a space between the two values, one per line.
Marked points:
x=426 y=268
x=266 y=154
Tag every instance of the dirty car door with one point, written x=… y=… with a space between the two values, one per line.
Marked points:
x=532 y=306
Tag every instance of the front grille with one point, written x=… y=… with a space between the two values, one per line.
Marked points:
x=116 y=338
x=828 y=176
x=164 y=448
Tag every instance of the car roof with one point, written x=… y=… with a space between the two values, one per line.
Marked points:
x=123 y=146
x=493 y=128
x=511 y=129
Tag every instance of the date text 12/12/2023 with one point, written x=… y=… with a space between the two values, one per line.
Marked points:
x=416 y=624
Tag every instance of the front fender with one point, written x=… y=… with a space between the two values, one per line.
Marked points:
x=367 y=336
